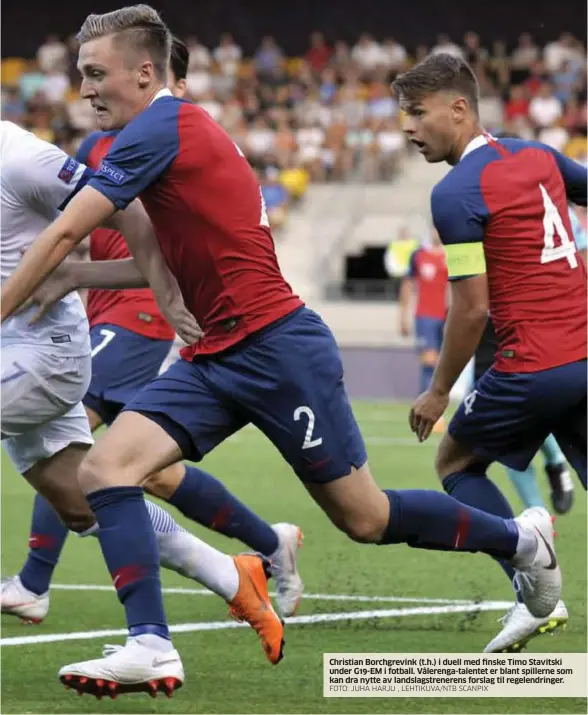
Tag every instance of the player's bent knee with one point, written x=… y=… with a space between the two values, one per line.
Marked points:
x=362 y=530
x=164 y=483
x=452 y=457
x=100 y=470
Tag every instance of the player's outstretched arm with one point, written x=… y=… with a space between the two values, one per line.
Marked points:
x=85 y=212
x=80 y=275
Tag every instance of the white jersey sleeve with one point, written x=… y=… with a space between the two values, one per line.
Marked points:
x=38 y=173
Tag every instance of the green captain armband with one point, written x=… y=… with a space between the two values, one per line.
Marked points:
x=465 y=259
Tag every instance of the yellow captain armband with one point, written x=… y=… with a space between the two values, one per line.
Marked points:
x=465 y=259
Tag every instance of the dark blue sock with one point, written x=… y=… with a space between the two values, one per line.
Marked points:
x=207 y=501
x=130 y=550
x=427 y=519
x=48 y=535
x=426 y=376
x=475 y=489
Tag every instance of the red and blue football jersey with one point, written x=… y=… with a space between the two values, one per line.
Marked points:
x=429 y=269
x=133 y=309
x=503 y=210
x=208 y=214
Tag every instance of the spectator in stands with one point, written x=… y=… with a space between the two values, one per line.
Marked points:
x=55 y=85
x=268 y=58
x=525 y=55
x=31 y=81
x=473 y=51
x=554 y=135
x=276 y=198
x=447 y=46
x=198 y=80
x=228 y=55
x=381 y=104
x=565 y=49
x=341 y=57
x=368 y=55
x=517 y=104
x=390 y=143
x=53 y=54
x=294 y=178
x=199 y=54
x=545 y=109
x=567 y=80
x=13 y=108
x=260 y=140
x=210 y=104
x=395 y=55
x=319 y=53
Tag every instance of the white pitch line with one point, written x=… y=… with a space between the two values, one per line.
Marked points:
x=296 y=620
x=306 y=596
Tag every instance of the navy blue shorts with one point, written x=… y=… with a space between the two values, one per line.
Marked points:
x=507 y=417
x=429 y=333
x=123 y=362
x=287 y=380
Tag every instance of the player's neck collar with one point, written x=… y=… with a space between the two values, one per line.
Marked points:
x=476 y=143
x=164 y=92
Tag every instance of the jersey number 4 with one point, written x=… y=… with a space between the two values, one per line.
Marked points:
x=552 y=225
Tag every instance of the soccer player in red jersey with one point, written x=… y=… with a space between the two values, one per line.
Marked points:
x=264 y=357
x=427 y=277
x=130 y=340
x=502 y=215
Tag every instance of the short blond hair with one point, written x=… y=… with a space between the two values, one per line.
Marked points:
x=139 y=26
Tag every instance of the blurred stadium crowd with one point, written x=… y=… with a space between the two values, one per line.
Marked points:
x=329 y=115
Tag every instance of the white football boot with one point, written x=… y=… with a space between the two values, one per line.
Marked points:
x=16 y=600
x=538 y=576
x=520 y=626
x=134 y=667
x=289 y=586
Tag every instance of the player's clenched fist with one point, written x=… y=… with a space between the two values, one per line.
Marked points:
x=425 y=412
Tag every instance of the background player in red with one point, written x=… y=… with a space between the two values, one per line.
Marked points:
x=130 y=340
x=427 y=277
x=264 y=358
x=502 y=214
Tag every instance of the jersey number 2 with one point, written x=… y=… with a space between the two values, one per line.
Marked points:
x=552 y=224
x=309 y=442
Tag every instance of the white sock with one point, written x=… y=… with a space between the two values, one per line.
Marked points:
x=155 y=642
x=526 y=548
x=183 y=552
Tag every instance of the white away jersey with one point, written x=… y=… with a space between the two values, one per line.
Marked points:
x=37 y=180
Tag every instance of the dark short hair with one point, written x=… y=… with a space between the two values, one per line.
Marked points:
x=438 y=72
x=179 y=58
x=139 y=26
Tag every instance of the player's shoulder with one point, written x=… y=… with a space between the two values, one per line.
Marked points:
x=155 y=128
x=91 y=141
x=516 y=145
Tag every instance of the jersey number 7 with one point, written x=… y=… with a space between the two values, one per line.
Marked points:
x=552 y=224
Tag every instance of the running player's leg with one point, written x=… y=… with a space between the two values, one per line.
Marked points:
x=426 y=335
x=289 y=380
x=558 y=475
x=123 y=363
x=526 y=485
x=156 y=431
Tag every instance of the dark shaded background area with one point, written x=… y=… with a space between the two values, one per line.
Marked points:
x=25 y=24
